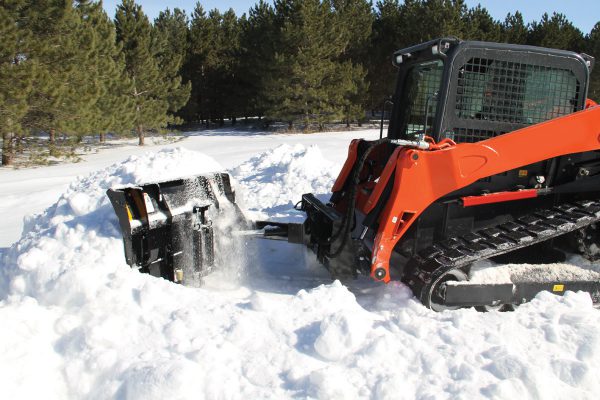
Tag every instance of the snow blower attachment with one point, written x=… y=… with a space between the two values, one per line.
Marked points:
x=492 y=152
x=167 y=226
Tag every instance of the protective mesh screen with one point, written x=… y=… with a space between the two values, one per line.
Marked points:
x=422 y=85
x=467 y=135
x=512 y=92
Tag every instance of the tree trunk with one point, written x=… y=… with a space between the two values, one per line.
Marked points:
x=233 y=121
x=306 y=121
x=52 y=136
x=102 y=137
x=7 y=148
x=290 y=125
x=140 y=133
x=18 y=145
x=348 y=123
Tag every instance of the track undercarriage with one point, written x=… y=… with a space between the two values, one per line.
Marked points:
x=438 y=274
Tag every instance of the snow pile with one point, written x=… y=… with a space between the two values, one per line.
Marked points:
x=273 y=181
x=77 y=322
x=341 y=334
x=79 y=232
x=490 y=272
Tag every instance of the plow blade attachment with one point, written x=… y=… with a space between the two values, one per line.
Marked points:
x=168 y=227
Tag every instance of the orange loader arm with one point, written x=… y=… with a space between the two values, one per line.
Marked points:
x=423 y=176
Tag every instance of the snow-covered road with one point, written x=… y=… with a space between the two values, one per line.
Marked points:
x=77 y=322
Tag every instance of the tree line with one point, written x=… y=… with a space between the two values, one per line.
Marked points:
x=69 y=70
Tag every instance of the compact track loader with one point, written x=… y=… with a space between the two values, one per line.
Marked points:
x=492 y=152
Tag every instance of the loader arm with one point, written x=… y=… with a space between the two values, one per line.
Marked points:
x=430 y=175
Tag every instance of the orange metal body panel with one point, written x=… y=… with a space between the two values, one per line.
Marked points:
x=423 y=176
x=470 y=201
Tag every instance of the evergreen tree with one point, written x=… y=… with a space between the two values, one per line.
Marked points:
x=171 y=42
x=556 y=32
x=16 y=75
x=385 y=39
x=514 y=29
x=212 y=68
x=355 y=17
x=113 y=111
x=593 y=49
x=80 y=82
x=423 y=20
x=310 y=83
x=65 y=67
x=172 y=28
x=64 y=92
x=193 y=69
x=479 y=25
x=227 y=98
x=401 y=25
x=152 y=89
x=355 y=91
x=257 y=51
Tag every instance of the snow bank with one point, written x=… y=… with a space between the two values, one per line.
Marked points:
x=273 y=181
x=490 y=272
x=78 y=323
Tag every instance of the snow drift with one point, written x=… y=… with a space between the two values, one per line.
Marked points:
x=273 y=181
x=77 y=322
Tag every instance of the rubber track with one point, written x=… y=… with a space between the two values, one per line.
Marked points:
x=429 y=264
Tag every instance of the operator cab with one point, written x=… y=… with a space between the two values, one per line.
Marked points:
x=469 y=91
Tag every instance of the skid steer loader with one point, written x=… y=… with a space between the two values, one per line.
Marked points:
x=492 y=151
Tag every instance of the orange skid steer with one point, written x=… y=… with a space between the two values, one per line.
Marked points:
x=492 y=152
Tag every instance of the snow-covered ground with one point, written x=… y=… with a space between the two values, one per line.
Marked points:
x=77 y=322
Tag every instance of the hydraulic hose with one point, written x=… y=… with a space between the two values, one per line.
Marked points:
x=344 y=229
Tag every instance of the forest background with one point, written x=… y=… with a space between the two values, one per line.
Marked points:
x=69 y=71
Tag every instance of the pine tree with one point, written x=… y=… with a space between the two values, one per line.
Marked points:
x=171 y=42
x=514 y=29
x=81 y=83
x=257 y=50
x=151 y=89
x=356 y=22
x=229 y=66
x=212 y=66
x=401 y=25
x=355 y=17
x=593 y=48
x=64 y=92
x=556 y=32
x=113 y=110
x=310 y=83
x=193 y=67
x=423 y=20
x=212 y=70
x=479 y=25
x=206 y=66
x=385 y=39
x=16 y=75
